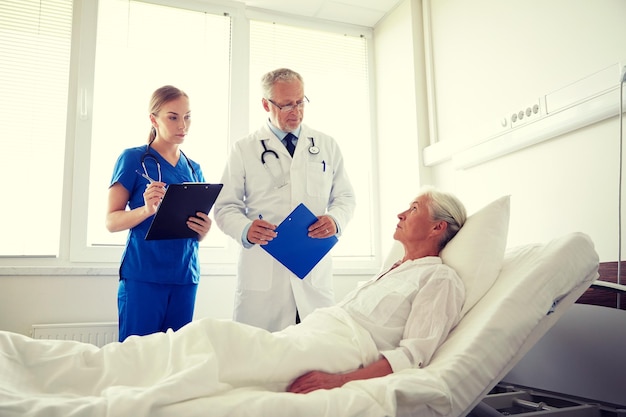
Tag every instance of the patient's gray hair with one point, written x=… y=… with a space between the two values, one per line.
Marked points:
x=447 y=207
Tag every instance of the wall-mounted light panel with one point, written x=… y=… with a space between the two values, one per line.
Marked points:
x=584 y=102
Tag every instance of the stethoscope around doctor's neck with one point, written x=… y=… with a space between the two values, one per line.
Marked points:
x=281 y=180
x=149 y=155
x=313 y=150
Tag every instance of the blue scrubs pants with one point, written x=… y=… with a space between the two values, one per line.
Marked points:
x=147 y=307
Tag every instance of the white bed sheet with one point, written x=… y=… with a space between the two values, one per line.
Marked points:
x=483 y=347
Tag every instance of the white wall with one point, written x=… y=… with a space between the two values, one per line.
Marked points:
x=42 y=299
x=491 y=57
x=400 y=113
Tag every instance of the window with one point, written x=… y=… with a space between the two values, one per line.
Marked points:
x=75 y=97
x=141 y=47
x=35 y=42
x=335 y=71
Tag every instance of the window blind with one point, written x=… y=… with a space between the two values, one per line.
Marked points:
x=334 y=67
x=35 y=42
x=140 y=47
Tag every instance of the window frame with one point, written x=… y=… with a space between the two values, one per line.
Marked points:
x=352 y=263
x=74 y=254
x=80 y=249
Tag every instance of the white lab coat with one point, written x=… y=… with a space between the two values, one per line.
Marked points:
x=267 y=293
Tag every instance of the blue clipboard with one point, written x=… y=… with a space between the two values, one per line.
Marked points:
x=294 y=248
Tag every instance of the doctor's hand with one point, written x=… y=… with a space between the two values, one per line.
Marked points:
x=200 y=223
x=261 y=232
x=153 y=195
x=324 y=227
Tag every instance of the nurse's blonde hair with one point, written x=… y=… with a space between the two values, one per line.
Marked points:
x=159 y=98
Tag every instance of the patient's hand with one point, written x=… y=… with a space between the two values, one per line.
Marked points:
x=315 y=380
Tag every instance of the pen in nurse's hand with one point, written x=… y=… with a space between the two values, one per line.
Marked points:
x=146 y=176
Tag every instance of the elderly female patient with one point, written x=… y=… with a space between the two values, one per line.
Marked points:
x=394 y=321
x=408 y=310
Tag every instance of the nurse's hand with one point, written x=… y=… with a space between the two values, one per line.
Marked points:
x=261 y=232
x=324 y=227
x=153 y=195
x=200 y=223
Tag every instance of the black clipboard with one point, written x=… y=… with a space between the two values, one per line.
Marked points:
x=293 y=247
x=179 y=203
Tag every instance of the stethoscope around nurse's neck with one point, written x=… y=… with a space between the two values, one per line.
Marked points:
x=149 y=155
x=281 y=181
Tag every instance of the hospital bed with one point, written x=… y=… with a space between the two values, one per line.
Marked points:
x=577 y=369
x=514 y=296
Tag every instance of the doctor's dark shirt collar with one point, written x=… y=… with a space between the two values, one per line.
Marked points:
x=280 y=134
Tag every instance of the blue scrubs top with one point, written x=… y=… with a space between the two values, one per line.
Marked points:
x=169 y=261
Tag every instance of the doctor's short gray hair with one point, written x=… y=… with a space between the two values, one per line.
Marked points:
x=281 y=74
x=447 y=207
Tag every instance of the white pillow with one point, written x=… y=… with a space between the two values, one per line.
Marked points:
x=477 y=250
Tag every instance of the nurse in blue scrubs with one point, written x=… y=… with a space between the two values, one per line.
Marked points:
x=158 y=278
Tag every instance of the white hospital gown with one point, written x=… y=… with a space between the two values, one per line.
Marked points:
x=409 y=311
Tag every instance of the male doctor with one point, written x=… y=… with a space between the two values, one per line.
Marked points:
x=267 y=175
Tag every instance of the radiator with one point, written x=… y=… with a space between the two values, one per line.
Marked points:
x=98 y=334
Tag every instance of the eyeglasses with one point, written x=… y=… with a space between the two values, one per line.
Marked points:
x=290 y=107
